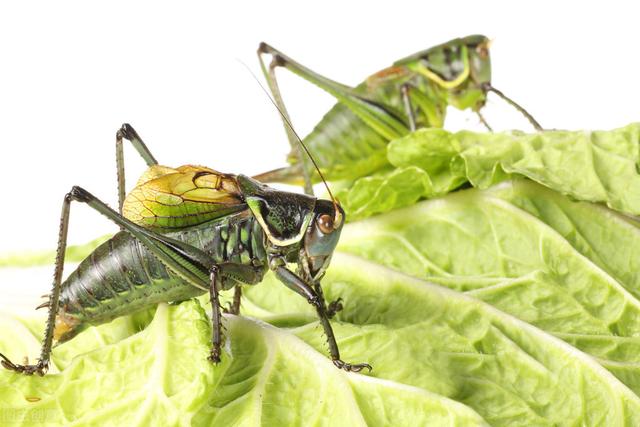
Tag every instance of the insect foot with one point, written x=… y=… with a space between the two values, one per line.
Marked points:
x=351 y=368
x=334 y=307
x=39 y=368
x=214 y=357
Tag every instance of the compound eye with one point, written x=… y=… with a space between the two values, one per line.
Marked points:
x=325 y=223
x=483 y=52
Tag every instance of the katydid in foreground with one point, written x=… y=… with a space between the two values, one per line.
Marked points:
x=185 y=232
x=350 y=140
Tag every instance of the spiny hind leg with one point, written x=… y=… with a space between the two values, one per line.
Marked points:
x=190 y=263
x=127 y=132
x=316 y=299
x=42 y=364
x=187 y=261
x=373 y=113
x=272 y=81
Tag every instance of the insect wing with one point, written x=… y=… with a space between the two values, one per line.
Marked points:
x=168 y=198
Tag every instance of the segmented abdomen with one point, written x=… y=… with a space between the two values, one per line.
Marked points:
x=342 y=138
x=122 y=276
x=345 y=147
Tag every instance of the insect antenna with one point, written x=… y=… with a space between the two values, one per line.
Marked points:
x=290 y=126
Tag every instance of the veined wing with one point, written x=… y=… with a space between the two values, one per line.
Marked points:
x=168 y=198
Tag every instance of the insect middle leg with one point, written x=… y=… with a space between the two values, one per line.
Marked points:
x=237 y=273
x=234 y=306
x=406 y=101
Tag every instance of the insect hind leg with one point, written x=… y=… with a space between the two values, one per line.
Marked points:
x=42 y=365
x=127 y=132
x=188 y=262
x=278 y=61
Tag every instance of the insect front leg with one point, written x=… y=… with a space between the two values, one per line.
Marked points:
x=295 y=283
x=484 y=121
x=127 y=132
x=515 y=105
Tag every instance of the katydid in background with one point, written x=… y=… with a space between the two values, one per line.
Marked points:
x=350 y=140
x=185 y=232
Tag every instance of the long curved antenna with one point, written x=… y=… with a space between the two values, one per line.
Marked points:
x=290 y=126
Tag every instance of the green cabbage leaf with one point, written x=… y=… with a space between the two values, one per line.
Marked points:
x=596 y=166
x=516 y=302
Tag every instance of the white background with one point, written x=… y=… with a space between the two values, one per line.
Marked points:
x=72 y=72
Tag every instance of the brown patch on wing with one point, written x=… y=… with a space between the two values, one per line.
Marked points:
x=385 y=75
x=172 y=198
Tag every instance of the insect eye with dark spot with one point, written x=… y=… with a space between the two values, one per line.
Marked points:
x=325 y=223
x=483 y=52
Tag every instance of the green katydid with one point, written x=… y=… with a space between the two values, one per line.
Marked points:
x=350 y=140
